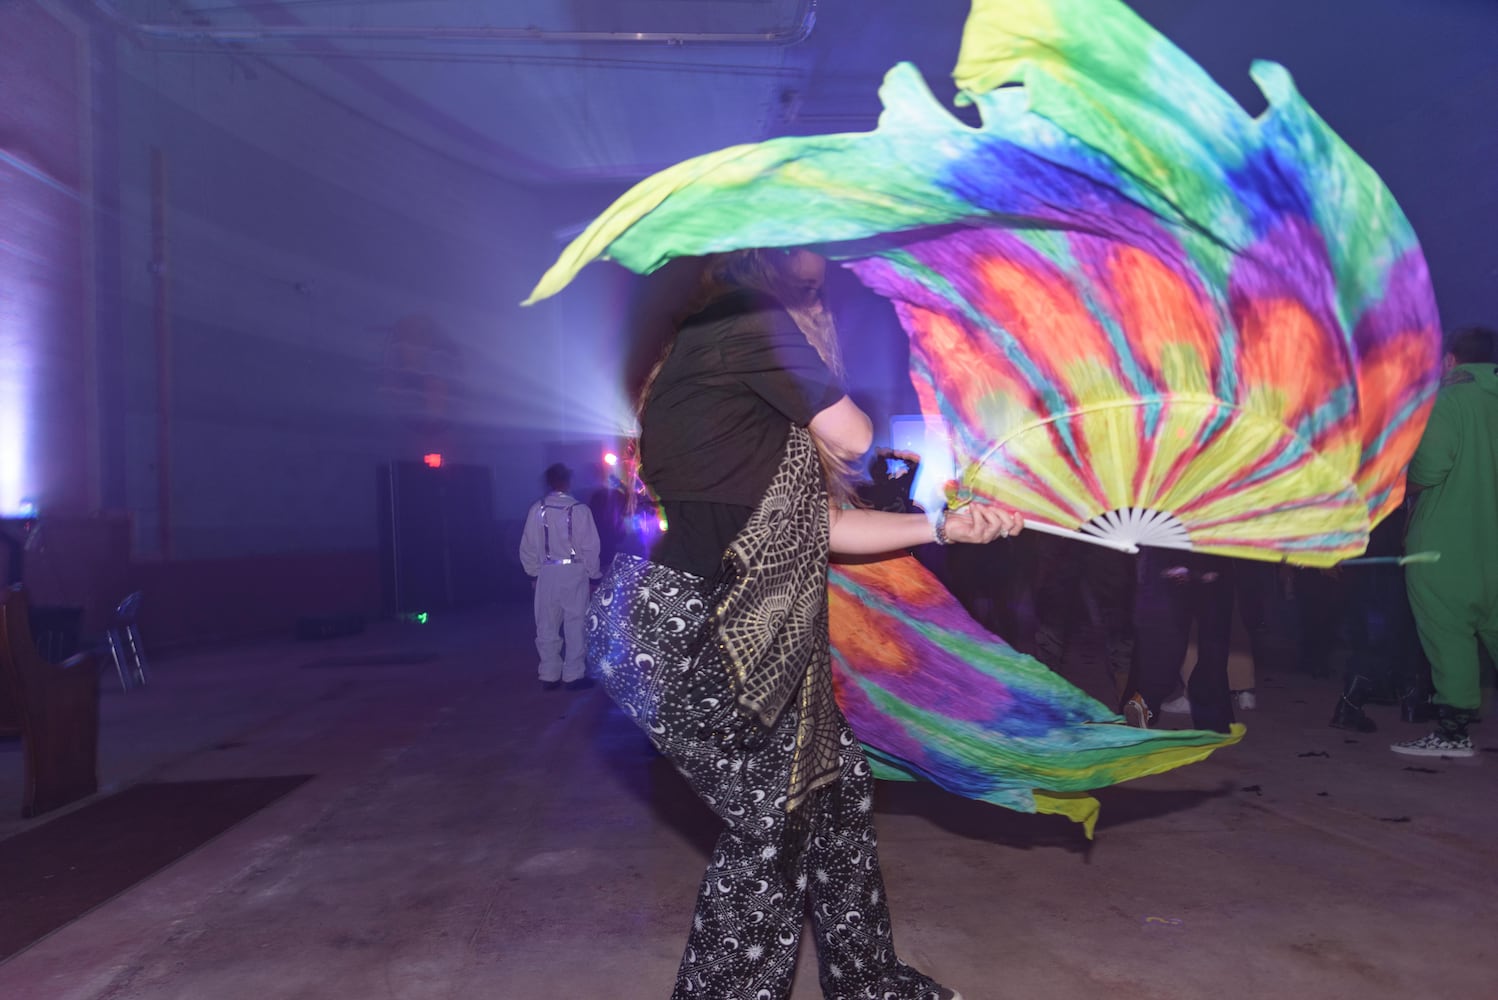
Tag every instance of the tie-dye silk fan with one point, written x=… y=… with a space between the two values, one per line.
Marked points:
x=1142 y=313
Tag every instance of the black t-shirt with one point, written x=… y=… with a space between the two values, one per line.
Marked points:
x=715 y=426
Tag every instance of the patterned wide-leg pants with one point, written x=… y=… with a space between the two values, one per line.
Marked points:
x=769 y=866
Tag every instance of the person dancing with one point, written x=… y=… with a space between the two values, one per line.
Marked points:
x=716 y=645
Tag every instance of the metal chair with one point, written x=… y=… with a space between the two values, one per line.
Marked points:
x=125 y=646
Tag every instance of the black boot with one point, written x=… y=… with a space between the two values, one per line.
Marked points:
x=1415 y=706
x=1349 y=712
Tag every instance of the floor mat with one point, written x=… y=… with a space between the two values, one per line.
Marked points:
x=54 y=873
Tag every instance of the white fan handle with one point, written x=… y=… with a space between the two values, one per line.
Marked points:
x=1060 y=532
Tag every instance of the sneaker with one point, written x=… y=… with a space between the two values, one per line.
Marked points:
x=551 y=685
x=1244 y=701
x=1136 y=713
x=1180 y=705
x=581 y=684
x=1436 y=744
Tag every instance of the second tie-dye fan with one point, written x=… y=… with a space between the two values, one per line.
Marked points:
x=1142 y=313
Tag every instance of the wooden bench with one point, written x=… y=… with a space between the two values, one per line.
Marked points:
x=53 y=707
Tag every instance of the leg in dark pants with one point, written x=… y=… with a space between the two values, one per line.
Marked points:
x=1212 y=604
x=1268 y=614
x=770 y=864
x=1162 y=626
x=1108 y=595
x=1174 y=591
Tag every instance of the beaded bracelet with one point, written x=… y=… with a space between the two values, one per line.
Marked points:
x=941 y=528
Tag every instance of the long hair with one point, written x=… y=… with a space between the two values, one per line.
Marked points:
x=769 y=271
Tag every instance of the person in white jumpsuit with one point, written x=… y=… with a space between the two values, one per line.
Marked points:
x=560 y=548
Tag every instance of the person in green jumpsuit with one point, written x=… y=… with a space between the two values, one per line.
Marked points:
x=1455 y=600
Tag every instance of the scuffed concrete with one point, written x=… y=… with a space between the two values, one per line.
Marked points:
x=468 y=835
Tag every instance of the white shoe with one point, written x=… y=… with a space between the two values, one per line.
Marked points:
x=1244 y=701
x=1177 y=706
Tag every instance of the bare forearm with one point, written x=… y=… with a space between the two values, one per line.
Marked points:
x=870 y=532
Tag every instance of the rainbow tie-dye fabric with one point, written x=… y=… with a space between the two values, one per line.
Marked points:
x=934 y=695
x=1136 y=307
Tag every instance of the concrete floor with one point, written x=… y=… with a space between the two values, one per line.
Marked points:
x=468 y=835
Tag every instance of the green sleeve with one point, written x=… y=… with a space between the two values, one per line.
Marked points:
x=1437 y=449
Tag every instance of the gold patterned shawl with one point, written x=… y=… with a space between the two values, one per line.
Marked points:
x=772 y=617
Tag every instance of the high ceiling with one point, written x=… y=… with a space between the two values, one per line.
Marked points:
x=569 y=90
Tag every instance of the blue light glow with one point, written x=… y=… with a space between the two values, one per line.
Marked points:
x=15 y=389
x=928 y=438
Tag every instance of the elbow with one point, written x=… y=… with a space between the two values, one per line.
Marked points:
x=865 y=438
x=854 y=442
x=844 y=431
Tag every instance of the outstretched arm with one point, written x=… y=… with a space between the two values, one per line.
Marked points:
x=869 y=532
